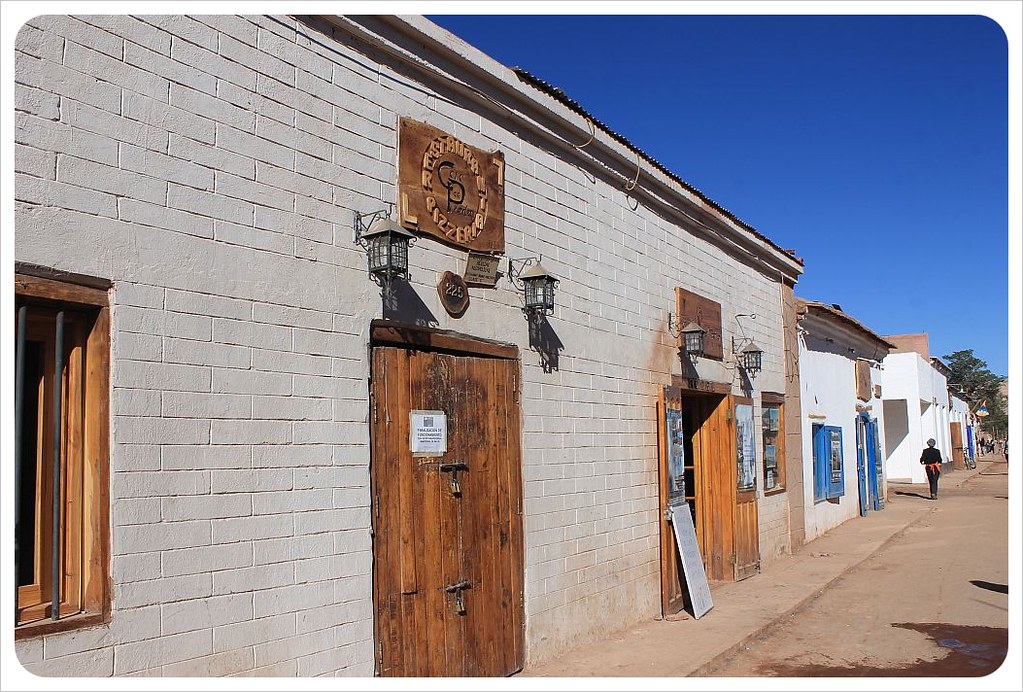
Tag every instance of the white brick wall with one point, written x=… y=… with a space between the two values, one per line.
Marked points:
x=210 y=166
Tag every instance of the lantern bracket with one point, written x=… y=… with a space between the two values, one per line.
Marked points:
x=364 y=221
x=746 y=354
x=516 y=266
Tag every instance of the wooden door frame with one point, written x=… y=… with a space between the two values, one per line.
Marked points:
x=712 y=400
x=390 y=334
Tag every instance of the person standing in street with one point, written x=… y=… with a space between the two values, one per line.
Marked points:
x=931 y=459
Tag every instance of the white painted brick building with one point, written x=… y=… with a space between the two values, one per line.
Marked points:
x=209 y=169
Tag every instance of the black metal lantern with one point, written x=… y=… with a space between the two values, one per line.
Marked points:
x=751 y=359
x=538 y=289
x=386 y=246
x=692 y=339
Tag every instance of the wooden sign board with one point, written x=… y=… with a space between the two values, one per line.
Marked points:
x=692 y=563
x=450 y=190
x=705 y=312
x=863 y=380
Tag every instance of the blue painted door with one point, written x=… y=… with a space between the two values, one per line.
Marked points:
x=875 y=474
x=861 y=463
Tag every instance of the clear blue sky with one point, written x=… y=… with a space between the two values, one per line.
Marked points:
x=875 y=146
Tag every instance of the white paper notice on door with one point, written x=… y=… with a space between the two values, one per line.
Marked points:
x=428 y=433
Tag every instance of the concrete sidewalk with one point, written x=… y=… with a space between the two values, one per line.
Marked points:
x=682 y=646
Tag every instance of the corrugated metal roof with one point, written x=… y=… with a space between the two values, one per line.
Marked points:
x=559 y=94
x=834 y=310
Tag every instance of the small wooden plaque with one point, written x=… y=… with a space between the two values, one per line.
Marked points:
x=454 y=294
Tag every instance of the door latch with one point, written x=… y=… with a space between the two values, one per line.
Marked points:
x=457 y=589
x=453 y=468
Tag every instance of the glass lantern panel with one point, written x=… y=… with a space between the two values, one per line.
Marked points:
x=534 y=293
x=378 y=254
x=399 y=255
x=694 y=342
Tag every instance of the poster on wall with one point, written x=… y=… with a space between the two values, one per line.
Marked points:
x=744 y=447
x=836 y=455
x=676 y=455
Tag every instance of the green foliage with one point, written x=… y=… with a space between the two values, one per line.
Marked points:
x=981 y=385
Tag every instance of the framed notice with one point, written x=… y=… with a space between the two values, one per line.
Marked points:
x=676 y=455
x=746 y=478
x=428 y=433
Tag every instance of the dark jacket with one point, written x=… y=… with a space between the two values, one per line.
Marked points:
x=931 y=455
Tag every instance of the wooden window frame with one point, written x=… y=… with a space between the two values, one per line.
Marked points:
x=774 y=401
x=85 y=591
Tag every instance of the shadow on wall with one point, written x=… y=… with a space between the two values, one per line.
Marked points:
x=896 y=424
x=403 y=304
x=546 y=342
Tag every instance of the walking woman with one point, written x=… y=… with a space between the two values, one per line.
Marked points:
x=931 y=459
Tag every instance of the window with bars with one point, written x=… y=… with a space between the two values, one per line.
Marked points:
x=62 y=356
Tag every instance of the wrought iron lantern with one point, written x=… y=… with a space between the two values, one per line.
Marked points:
x=751 y=359
x=692 y=339
x=537 y=286
x=386 y=245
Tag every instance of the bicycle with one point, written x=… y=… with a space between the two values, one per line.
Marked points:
x=968 y=459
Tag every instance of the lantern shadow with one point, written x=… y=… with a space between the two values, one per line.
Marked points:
x=545 y=341
x=688 y=365
x=401 y=303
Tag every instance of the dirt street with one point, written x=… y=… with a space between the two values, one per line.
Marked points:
x=932 y=602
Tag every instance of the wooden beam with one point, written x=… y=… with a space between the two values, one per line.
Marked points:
x=429 y=338
x=60 y=291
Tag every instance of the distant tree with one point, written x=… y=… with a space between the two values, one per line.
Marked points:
x=980 y=386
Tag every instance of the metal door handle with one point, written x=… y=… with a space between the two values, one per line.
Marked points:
x=457 y=589
x=453 y=468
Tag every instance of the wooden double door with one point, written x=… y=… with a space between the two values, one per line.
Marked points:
x=699 y=464
x=447 y=528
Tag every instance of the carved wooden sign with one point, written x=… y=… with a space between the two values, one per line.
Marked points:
x=450 y=190
x=705 y=312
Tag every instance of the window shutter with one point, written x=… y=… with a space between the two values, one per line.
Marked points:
x=820 y=458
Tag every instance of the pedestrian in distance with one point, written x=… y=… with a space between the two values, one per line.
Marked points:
x=931 y=459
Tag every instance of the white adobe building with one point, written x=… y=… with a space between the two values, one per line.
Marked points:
x=916 y=407
x=840 y=365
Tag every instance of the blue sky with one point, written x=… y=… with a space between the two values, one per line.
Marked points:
x=875 y=146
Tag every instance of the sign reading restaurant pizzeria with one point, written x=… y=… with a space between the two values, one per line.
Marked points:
x=450 y=190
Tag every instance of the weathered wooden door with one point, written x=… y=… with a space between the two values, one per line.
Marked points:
x=447 y=529
x=955 y=429
x=746 y=546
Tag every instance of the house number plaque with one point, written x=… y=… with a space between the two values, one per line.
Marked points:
x=454 y=294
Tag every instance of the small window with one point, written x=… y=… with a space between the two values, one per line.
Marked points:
x=774 y=450
x=62 y=355
x=828 y=467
